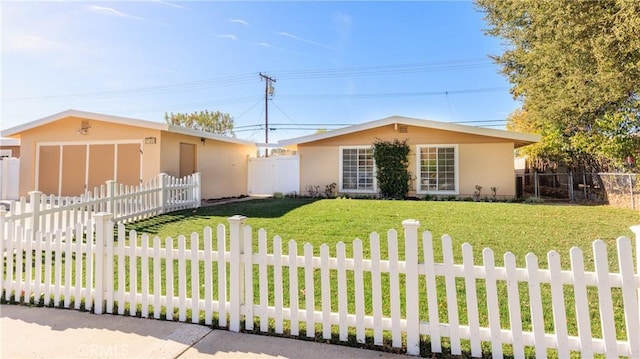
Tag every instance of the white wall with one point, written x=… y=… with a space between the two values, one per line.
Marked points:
x=274 y=174
x=9 y=178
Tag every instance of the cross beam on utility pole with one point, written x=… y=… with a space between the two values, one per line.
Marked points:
x=268 y=90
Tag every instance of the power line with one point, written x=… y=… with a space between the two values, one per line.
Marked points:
x=462 y=64
x=242 y=79
x=449 y=105
x=249 y=109
x=355 y=96
x=154 y=90
x=299 y=124
x=390 y=94
x=480 y=121
x=314 y=126
x=284 y=113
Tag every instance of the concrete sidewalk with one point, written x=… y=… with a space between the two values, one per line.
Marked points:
x=33 y=332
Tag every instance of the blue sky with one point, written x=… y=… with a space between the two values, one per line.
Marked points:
x=335 y=63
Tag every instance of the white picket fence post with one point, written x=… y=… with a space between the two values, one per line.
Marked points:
x=34 y=199
x=162 y=181
x=4 y=178
x=636 y=230
x=104 y=231
x=236 y=277
x=3 y=212
x=411 y=285
x=197 y=190
x=111 y=192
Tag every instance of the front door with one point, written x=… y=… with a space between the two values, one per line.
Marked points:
x=187 y=159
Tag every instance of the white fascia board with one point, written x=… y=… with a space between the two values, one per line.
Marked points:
x=86 y=115
x=9 y=142
x=517 y=136
x=207 y=135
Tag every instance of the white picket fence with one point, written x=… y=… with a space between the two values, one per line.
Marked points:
x=235 y=286
x=162 y=194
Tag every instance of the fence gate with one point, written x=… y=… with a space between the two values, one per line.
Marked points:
x=268 y=175
x=9 y=178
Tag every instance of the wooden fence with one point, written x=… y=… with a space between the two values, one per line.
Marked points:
x=127 y=203
x=392 y=295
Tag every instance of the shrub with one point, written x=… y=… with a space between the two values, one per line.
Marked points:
x=392 y=160
x=329 y=190
x=476 y=193
x=494 y=193
x=533 y=200
x=313 y=191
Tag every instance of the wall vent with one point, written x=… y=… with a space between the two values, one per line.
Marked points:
x=403 y=128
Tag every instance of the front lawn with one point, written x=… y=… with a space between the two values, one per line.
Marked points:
x=503 y=227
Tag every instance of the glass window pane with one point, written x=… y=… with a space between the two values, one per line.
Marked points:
x=357 y=169
x=437 y=169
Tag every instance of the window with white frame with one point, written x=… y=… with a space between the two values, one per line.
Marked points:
x=437 y=169
x=357 y=169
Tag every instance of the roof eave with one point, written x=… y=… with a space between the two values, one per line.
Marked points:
x=14 y=131
x=516 y=136
x=526 y=142
x=207 y=135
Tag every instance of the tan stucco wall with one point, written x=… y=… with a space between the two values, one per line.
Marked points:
x=319 y=166
x=483 y=161
x=223 y=165
x=487 y=165
x=66 y=130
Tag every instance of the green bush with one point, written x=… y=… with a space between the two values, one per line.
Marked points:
x=533 y=200
x=392 y=160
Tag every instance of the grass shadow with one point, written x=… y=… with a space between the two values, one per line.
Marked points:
x=258 y=208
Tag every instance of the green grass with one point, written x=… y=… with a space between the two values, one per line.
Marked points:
x=516 y=228
x=503 y=227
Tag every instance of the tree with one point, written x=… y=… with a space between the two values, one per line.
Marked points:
x=576 y=67
x=214 y=122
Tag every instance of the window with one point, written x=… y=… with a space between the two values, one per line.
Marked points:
x=357 y=169
x=438 y=169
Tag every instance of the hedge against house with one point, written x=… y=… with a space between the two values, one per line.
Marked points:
x=392 y=160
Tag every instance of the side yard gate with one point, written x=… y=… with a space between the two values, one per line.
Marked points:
x=394 y=292
x=9 y=178
x=268 y=175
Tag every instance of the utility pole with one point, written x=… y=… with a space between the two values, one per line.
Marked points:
x=268 y=90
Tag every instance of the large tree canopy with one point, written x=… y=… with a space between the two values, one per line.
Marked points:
x=215 y=122
x=576 y=67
